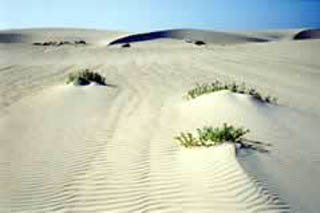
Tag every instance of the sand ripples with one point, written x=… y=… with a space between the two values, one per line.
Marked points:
x=111 y=149
x=124 y=164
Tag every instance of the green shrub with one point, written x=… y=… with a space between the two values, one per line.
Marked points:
x=84 y=77
x=187 y=140
x=218 y=86
x=208 y=136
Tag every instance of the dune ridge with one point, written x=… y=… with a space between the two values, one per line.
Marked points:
x=219 y=37
x=111 y=149
x=307 y=34
x=188 y=34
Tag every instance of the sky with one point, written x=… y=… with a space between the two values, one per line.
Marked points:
x=148 y=15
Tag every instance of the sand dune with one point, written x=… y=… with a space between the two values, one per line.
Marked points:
x=308 y=34
x=110 y=149
x=9 y=37
x=57 y=34
x=189 y=34
x=220 y=37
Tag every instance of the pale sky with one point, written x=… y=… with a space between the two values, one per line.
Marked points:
x=144 y=15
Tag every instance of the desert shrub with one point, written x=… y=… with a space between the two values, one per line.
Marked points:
x=84 y=77
x=64 y=43
x=199 y=43
x=218 y=86
x=208 y=136
x=37 y=43
x=188 y=140
x=59 y=43
x=80 y=42
x=126 y=45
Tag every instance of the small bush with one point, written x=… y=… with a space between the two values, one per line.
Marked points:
x=80 y=42
x=85 y=77
x=59 y=43
x=200 y=43
x=64 y=43
x=126 y=45
x=208 y=136
x=217 y=86
x=37 y=43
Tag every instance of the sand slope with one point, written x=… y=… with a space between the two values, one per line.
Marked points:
x=111 y=149
x=190 y=34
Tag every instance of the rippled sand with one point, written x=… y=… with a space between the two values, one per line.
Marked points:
x=111 y=149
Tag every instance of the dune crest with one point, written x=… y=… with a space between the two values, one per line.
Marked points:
x=308 y=34
x=189 y=34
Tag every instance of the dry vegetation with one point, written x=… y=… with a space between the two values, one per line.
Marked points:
x=218 y=86
x=85 y=77
x=208 y=136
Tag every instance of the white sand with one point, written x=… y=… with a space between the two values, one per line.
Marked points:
x=111 y=149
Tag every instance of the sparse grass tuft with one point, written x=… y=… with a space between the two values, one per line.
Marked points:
x=208 y=136
x=218 y=86
x=84 y=77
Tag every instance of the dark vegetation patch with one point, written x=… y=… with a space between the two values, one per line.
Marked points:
x=200 y=43
x=60 y=43
x=127 y=45
x=85 y=77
